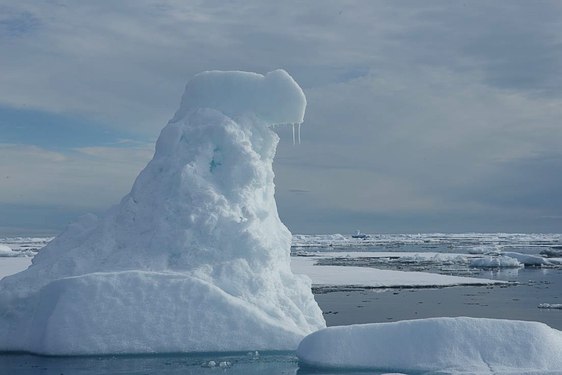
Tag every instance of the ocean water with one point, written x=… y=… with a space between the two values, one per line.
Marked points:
x=233 y=364
x=519 y=300
x=529 y=287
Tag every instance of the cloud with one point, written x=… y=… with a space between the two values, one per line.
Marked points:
x=87 y=178
x=126 y=63
x=428 y=142
x=416 y=110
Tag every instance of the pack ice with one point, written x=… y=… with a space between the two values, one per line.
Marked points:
x=194 y=258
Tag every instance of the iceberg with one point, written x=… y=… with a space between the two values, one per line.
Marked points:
x=194 y=258
x=443 y=345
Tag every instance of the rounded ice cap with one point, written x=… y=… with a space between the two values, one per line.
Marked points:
x=274 y=98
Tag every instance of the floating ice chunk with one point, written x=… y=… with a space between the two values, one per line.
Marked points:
x=209 y=364
x=466 y=345
x=527 y=259
x=495 y=262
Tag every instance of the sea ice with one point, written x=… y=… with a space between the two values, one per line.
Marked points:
x=365 y=277
x=444 y=345
x=194 y=258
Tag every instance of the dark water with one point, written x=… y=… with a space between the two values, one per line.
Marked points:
x=518 y=302
x=233 y=364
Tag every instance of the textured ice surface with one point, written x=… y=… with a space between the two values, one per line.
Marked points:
x=194 y=258
x=457 y=345
x=337 y=277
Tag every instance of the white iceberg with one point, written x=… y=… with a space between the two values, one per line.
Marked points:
x=444 y=345
x=194 y=258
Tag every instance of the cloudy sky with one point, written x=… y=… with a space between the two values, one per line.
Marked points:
x=423 y=116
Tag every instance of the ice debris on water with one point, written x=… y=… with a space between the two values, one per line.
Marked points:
x=209 y=364
x=550 y=306
x=220 y=364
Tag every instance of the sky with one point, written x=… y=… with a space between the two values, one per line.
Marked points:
x=423 y=116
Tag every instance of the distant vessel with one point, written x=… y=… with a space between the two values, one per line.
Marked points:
x=358 y=234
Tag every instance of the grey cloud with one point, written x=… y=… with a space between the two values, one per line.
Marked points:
x=421 y=115
x=14 y=24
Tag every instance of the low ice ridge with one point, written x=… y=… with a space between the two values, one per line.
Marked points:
x=444 y=345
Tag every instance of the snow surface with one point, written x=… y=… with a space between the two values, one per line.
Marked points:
x=450 y=345
x=194 y=258
x=338 y=276
x=12 y=265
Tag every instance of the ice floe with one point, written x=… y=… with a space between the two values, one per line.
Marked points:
x=443 y=345
x=329 y=277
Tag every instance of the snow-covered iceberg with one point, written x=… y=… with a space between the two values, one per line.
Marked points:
x=194 y=258
x=444 y=345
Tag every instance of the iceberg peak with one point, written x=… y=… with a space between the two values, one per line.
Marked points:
x=274 y=98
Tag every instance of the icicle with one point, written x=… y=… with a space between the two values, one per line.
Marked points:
x=293 y=133
x=299 y=132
